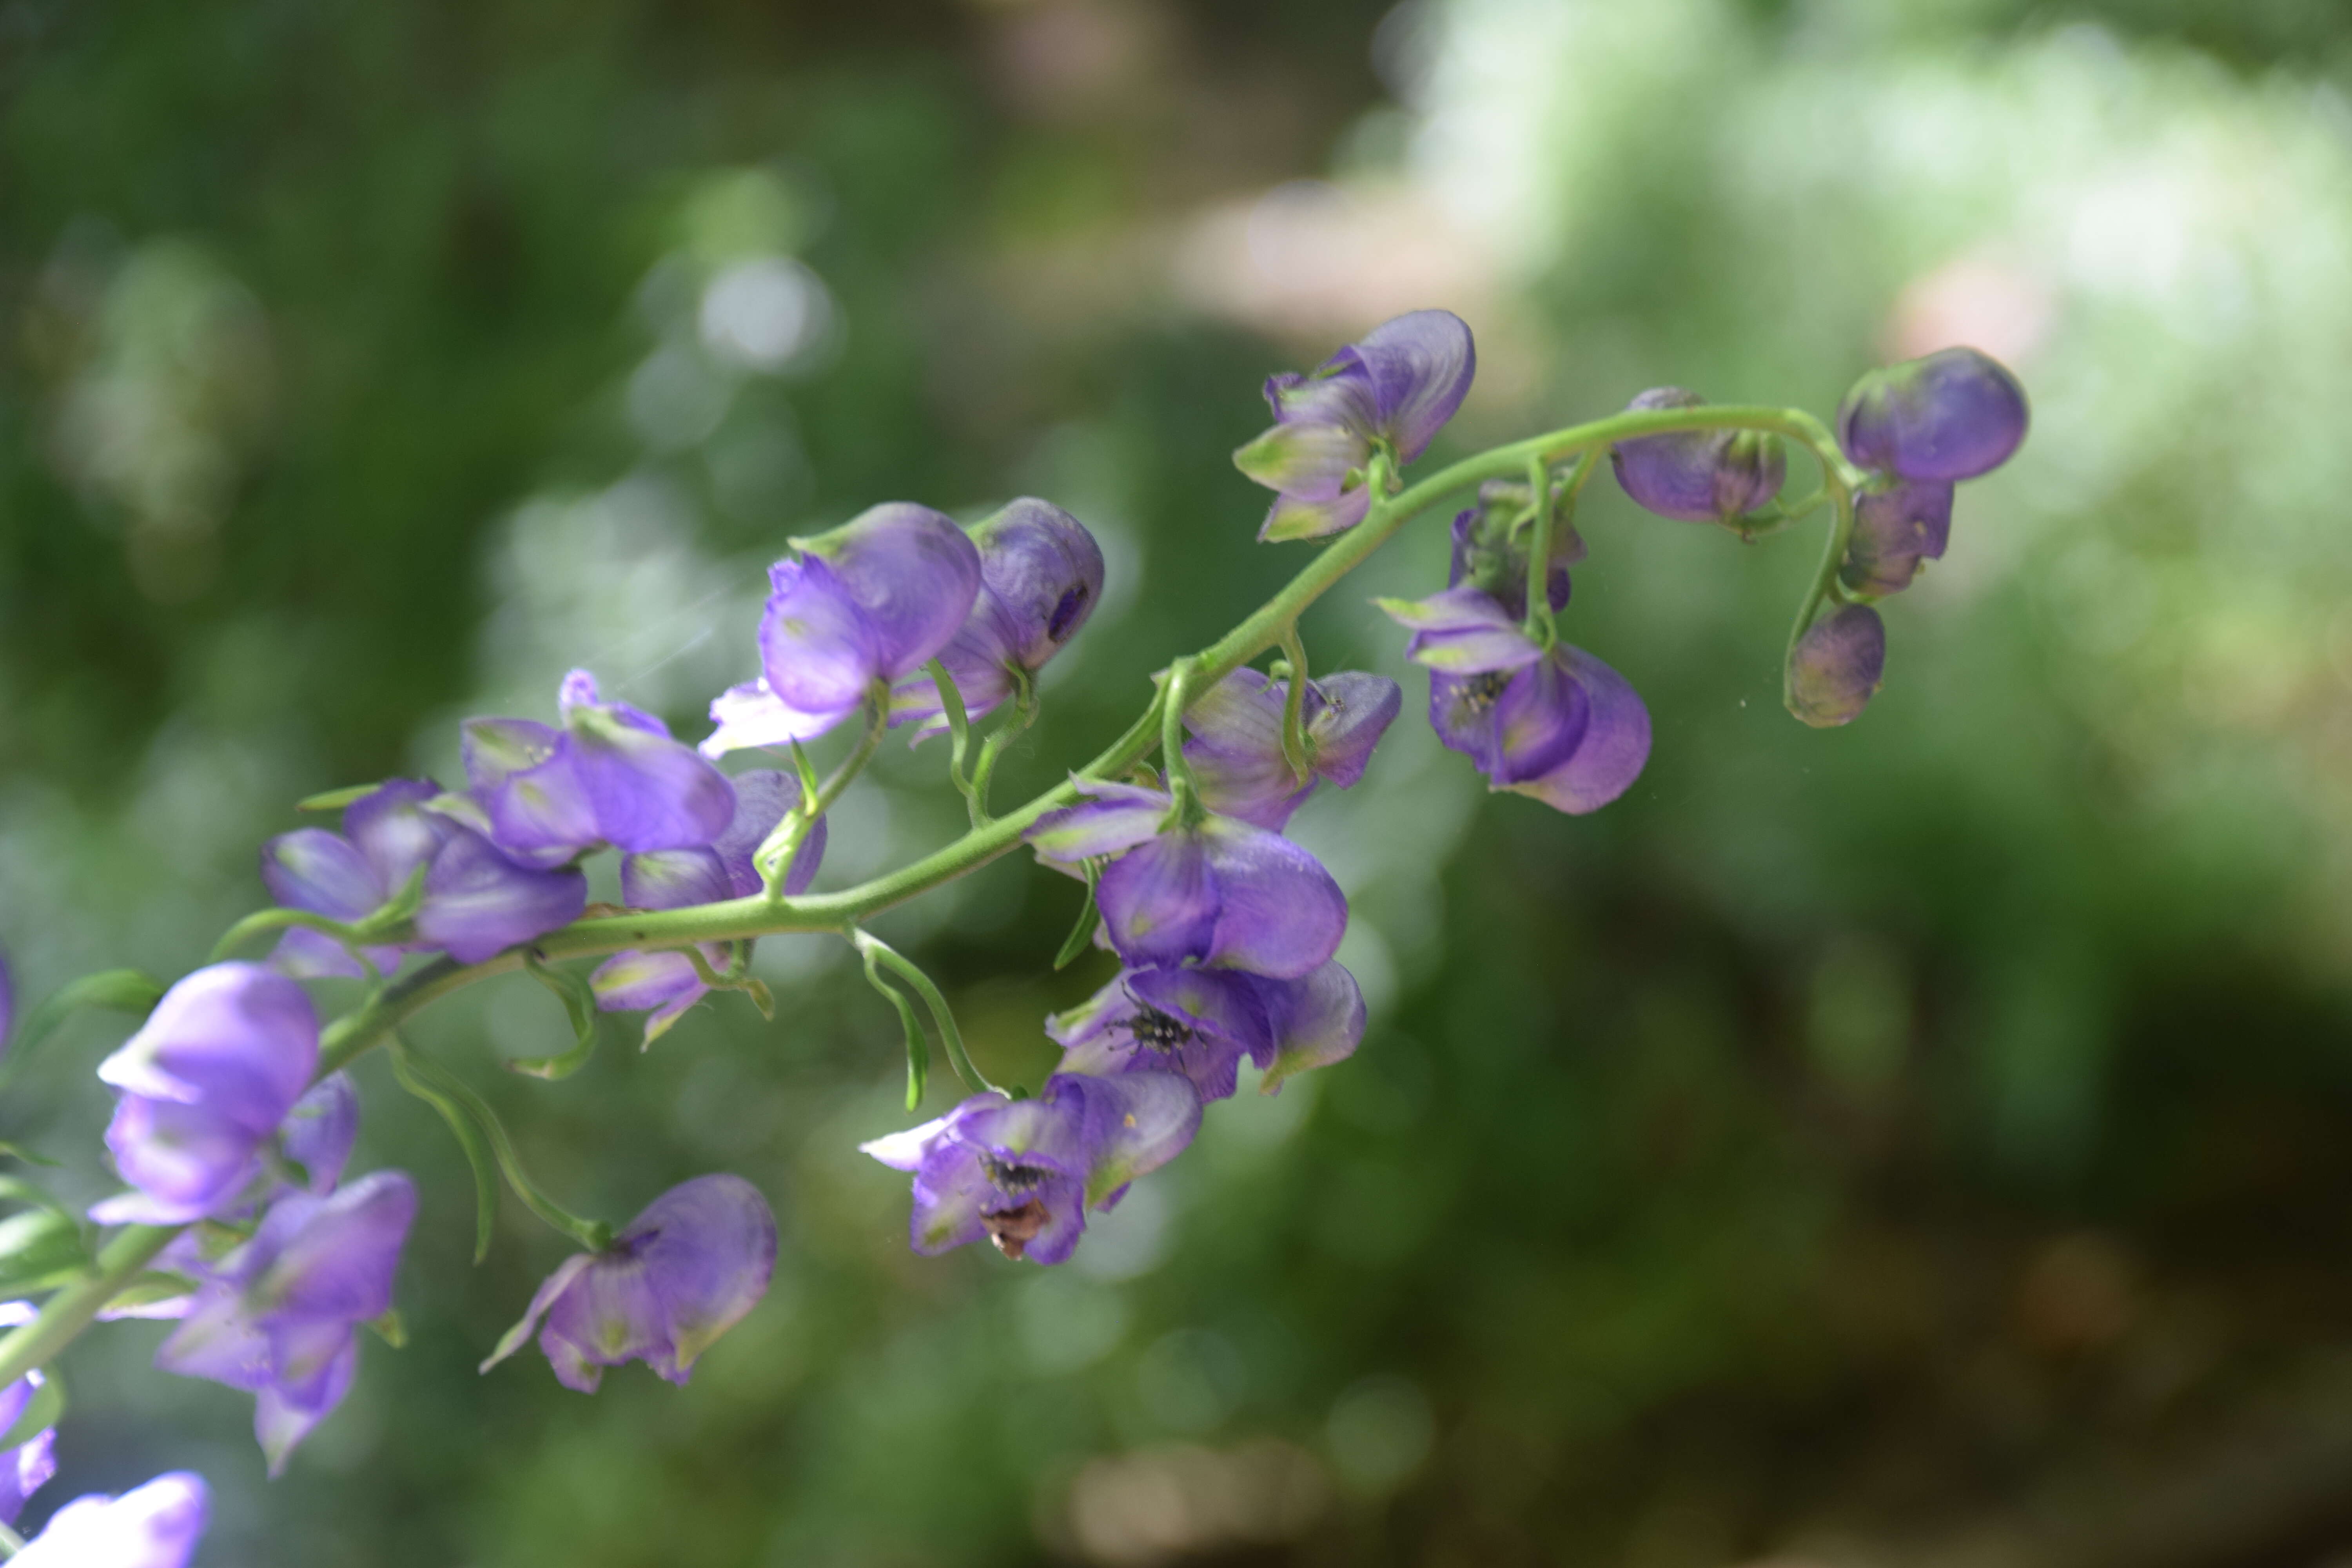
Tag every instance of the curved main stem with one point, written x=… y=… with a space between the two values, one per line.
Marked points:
x=71 y=1309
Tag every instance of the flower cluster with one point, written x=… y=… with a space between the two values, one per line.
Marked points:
x=1917 y=429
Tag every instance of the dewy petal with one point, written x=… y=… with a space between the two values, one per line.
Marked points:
x=156 y=1526
x=1291 y=518
x=1421 y=366
x=1160 y=902
x=1314 y=1021
x=750 y=715
x=320 y=1129
x=311 y=868
x=819 y=651
x=648 y=791
x=762 y=798
x=479 y=903
x=1307 y=461
x=1616 y=742
x=1463 y=631
x=1278 y=911
x=1355 y=712
x=1136 y=1123
x=494 y=749
x=1113 y=817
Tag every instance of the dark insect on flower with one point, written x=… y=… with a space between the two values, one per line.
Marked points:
x=1952 y=414
x=866 y=604
x=678 y=1276
x=1396 y=386
x=1698 y=476
x=1041 y=578
x=1202 y=1023
x=1837 y=666
x=1023 y=1172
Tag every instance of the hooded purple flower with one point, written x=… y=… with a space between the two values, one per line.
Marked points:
x=1837 y=666
x=1236 y=750
x=1698 y=476
x=1491 y=541
x=1223 y=893
x=611 y=775
x=476 y=899
x=27 y=1468
x=870 y=602
x=1024 y=1173
x=154 y=1526
x=1953 y=414
x=683 y=1273
x=279 y=1316
x=1041 y=573
x=1200 y=1022
x=208 y=1076
x=665 y=984
x=1896 y=531
x=1561 y=726
x=1398 y=386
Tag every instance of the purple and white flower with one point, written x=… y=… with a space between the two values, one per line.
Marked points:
x=1024 y=1173
x=279 y=1316
x=203 y=1084
x=858 y=609
x=154 y=1526
x=476 y=899
x=1952 y=414
x=611 y=774
x=1236 y=754
x=1040 y=577
x=1200 y=1022
x=681 y=1274
x=1698 y=476
x=666 y=983
x=1557 y=725
x=1221 y=893
x=1395 y=387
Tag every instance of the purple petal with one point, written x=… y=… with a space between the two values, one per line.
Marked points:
x=1895 y=531
x=311 y=869
x=1040 y=577
x=1277 y=910
x=1355 y=712
x=905 y=1150
x=394 y=832
x=1952 y=414
x=1307 y=461
x=1837 y=666
x=1541 y=720
x=186 y=1162
x=709 y=1245
x=762 y=798
x=555 y=1284
x=1137 y=1123
x=479 y=903
x=913 y=574
x=233 y=1039
x=1421 y=366
x=320 y=1129
x=1463 y=631
x=819 y=650
x=1022 y=1138
x=1113 y=817
x=1313 y=1022
x=648 y=791
x=1340 y=392
x=1236 y=751
x=335 y=1257
x=1160 y=902
x=635 y=982
x=156 y=1526
x=546 y=807
x=494 y=749
x=976 y=664
x=305 y=954
x=950 y=1193
x=1697 y=475
x=674 y=879
x=750 y=715
x=1291 y=518
x=27 y=1467
x=281 y=1420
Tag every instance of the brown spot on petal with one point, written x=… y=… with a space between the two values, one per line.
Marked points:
x=1014 y=1229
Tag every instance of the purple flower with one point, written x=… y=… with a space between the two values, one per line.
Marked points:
x=1559 y=726
x=27 y=1468
x=665 y=984
x=208 y=1076
x=1837 y=666
x=1894 y=532
x=1041 y=573
x=1236 y=750
x=1200 y=1022
x=477 y=899
x=1024 y=1173
x=1698 y=476
x=1396 y=388
x=683 y=1273
x=278 y=1317
x=320 y=1131
x=1221 y=893
x=864 y=605
x=1491 y=541
x=154 y=1526
x=611 y=775
x=1951 y=415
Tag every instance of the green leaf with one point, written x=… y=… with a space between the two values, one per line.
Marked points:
x=580 y=1004
x=1082 y=935
x=19 y=1151
x=470 y=1138
x=38 y=1248
x=118 y=990
x=16 y=1190
x=392 y=1329
x=149 y=1288
x=43 y=1411
x=336 y=799
x=918 y=1049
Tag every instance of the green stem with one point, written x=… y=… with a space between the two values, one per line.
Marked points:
x=1294 y=707
x=1538 y=625
x=593 y=1235
x=934 y=1002
x=66 y=1314
x=959 y=737
x=1024 y=713
x=1176 y=695
x=262 y=921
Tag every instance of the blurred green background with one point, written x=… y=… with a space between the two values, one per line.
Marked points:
x=1923 y=1143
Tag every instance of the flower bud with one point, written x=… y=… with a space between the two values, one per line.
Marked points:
x=211 y=1073
x=1491 y=541
x=1698 y=476
x=1951 y=415
x=1896 y=531
x=682 y=1273
x=1837 y=667
x=154 y=1526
